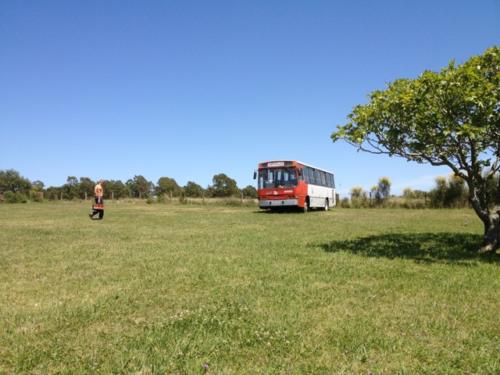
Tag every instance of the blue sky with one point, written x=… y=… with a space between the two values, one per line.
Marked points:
x=188 y=89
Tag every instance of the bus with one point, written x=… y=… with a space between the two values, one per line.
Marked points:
x=288 y=183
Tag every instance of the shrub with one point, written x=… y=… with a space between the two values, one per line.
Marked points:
x=21 y=198
x=9 y=197
x=37 y=196
x=249 y=192
x=17 y=197
x=358 y=197
x=344 y=203
x=449 y=193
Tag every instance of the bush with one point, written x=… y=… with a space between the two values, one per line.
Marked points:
x=9 y=197
x=18 y=197
x=344 y=203
x=37 y=196
x=449 y=193
x=249 y=192
x=358 y=197
x=21 y=198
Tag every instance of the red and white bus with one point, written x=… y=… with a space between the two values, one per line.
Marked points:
x=286 y=183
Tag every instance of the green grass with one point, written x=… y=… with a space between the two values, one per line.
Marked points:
x=228 y=290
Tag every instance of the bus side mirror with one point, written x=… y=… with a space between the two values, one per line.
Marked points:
x=254 y=175
x=300 y=172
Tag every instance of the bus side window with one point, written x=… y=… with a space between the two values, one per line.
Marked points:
x=323 y=178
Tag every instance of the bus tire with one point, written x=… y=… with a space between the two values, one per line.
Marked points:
x=306 y=205
x=327 y=205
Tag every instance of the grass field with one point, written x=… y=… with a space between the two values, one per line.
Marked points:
x=195 y=289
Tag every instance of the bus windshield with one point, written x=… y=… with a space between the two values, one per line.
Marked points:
x=277 y=178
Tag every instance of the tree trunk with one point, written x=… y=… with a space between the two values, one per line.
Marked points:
x=489 y=216
x=491 y=240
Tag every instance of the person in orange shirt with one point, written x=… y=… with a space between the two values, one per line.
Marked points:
x=98 y=207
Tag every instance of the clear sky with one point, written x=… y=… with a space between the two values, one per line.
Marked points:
x=187 y=89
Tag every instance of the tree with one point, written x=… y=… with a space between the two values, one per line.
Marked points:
x=11 y=180
x=86 y=187
x=224 y=186
x=249 y=192
x=438 y=194
x=139 y=187
x=37 y=185
x=448 y=118
x=167 y=185
x=493 y=187
x=193 y=190
x=384 y=188
x=54 y=192
x=209 y=191
x=381 y=191
x=70 y=188
x=115 y=189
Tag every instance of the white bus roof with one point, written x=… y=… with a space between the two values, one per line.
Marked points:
x=296 y=161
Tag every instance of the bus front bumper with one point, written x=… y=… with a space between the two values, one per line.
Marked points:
x=270 y=203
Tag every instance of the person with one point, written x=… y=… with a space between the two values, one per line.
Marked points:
x=98 y=207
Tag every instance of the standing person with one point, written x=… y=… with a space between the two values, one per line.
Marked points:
x=98 y=207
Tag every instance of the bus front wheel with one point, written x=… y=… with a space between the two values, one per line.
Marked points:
x=306 y=205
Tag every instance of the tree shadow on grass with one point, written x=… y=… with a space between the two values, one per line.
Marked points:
x=422 y=247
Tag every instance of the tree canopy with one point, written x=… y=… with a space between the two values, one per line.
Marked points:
x=249 y=192
x=139 y=186
x=11 y=180
x=167 y=185
x=192 y=189
x=448 y=118
x=224 y=186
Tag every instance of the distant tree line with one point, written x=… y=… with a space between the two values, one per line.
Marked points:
x=15 y=188
x=448 y=192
